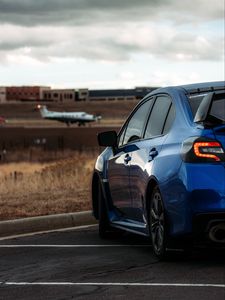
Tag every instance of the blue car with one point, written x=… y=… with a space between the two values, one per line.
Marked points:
x=163 y=174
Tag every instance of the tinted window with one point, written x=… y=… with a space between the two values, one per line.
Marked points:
x=217 y=109
x=195 y=102
x=169 y=120
x=136 y=123
x=158 y=116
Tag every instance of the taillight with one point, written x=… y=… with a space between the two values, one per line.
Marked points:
x=202 y=150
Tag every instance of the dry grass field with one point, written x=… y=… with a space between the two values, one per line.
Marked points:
x=32 y=189
x=55 y=177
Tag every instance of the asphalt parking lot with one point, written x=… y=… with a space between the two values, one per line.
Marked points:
x=76 y=264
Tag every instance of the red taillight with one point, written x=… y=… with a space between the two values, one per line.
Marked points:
x=201 y=150
x=208 y=150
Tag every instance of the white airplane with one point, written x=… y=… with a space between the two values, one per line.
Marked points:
x=68 y=117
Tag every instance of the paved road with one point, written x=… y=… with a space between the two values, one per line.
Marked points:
x=76 y=264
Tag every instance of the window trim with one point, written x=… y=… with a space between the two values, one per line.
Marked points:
x=171 y=104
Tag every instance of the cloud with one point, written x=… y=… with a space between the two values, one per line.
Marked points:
x=33 y=12
x=98 y=43
x=109 y=30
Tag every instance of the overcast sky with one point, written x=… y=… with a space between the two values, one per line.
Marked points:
x=111 y=43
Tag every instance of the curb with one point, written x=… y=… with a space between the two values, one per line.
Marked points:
x=44 y=223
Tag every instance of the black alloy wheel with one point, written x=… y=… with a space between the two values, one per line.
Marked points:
x=157 y=224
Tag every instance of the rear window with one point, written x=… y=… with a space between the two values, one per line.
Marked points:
x=217 y=109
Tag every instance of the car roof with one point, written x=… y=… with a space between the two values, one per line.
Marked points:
x=203 y=87
x=194 y=88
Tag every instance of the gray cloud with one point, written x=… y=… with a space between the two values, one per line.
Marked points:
x=33 y=12
x=104 y=43
x=109 y=30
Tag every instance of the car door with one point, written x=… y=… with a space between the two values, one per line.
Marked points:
x=119 y=163
x=141 y=166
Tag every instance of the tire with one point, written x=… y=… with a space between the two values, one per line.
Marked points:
x=103 y=225
x=157 y=225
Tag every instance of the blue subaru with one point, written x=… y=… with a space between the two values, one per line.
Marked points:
x=163 y=174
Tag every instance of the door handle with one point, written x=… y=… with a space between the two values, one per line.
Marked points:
x=153 y=153
x=127 y=158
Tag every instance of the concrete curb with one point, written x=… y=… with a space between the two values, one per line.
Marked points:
x=44 y=223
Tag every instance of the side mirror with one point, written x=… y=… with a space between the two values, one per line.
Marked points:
x=107 y=139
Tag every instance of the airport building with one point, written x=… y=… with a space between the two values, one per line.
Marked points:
x=25 y=93
x=2 y=94
x=46 y=94
x=82 y=95
x=59 y=95
x=118 y=95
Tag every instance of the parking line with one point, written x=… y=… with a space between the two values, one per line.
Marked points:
x=135 y=284
x=73 y=246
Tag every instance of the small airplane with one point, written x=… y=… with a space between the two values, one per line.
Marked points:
x=68 y=117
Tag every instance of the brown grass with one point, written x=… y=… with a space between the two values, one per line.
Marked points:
x=32 y=189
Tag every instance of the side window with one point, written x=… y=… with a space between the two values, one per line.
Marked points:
x=169 y=120
x=158 y=117
x=136 y=124
x=218 y=109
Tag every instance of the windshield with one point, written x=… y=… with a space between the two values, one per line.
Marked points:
x=218 y=106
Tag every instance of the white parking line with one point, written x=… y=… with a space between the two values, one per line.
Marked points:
x=73 y=246
x=135 y=284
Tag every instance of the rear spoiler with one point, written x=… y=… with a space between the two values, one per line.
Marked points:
x=203 y=112
x=204 y=108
